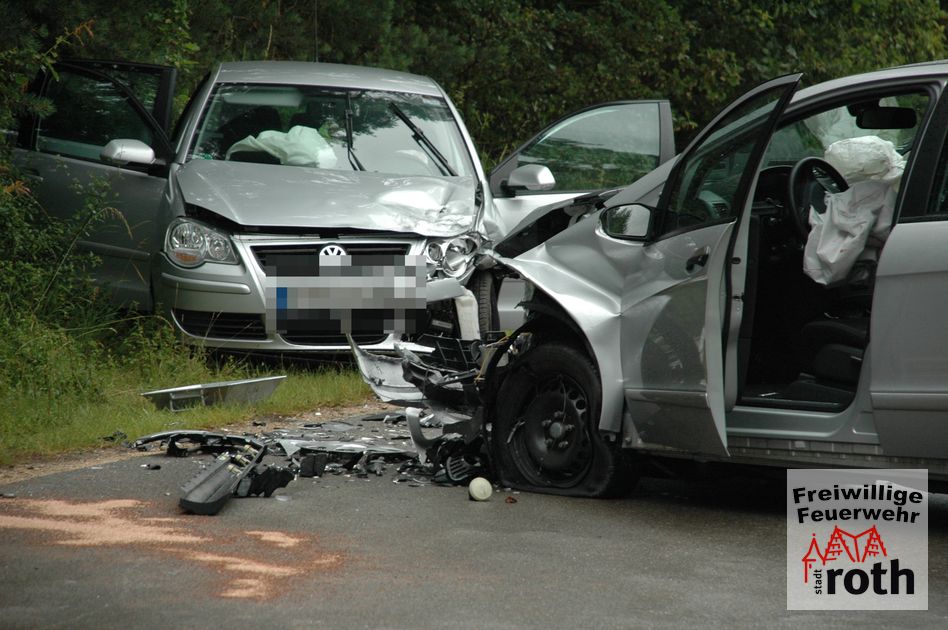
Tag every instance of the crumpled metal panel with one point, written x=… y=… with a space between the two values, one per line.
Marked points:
x=386 y=378
x=274 y=196
x=571 y=270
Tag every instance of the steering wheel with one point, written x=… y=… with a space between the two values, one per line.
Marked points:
x=810 y=179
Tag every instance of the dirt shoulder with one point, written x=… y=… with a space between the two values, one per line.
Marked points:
x=116 y=452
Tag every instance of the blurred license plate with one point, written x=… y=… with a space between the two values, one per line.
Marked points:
x=370 y=294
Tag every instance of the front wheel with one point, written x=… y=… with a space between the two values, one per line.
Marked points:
x=545 y=435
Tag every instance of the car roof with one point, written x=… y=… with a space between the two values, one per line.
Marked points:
x=325 y=74
x=927 y=70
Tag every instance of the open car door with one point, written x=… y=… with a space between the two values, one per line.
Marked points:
x=114 y=202
x=682 y=308
x=597 y=148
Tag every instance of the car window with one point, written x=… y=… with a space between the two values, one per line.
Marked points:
x=603 y=148
x=89 y=112
x=938 y=206
x=261 y=123
x=705 y=188
x=813 y=135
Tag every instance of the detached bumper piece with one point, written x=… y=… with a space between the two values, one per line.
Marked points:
x=241 y=391
x=237 y=470
x=437 y=391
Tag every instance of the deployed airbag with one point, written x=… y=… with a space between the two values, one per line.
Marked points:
x=857 y=221
x=300 y=146
x=838 y=237
x=866 y=157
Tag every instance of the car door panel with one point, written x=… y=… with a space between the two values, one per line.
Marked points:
x=597 y=148
x=674 y=340
x=668 y=343
x=908 y=338
x=124 y=233
x=115 y=207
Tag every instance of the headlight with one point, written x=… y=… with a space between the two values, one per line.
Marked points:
x=189 y=244
x=452 y=257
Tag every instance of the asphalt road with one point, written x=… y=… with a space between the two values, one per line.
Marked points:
x=107 y=547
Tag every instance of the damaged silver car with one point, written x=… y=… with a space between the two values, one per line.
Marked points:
x=295 y=203
x=775 y=296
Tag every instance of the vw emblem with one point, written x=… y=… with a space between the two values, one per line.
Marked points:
x=332 y=250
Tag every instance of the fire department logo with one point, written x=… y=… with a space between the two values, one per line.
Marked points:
x=858 y=548
x=862 y=539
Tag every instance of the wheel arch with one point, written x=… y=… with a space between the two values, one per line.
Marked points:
x=546 y=314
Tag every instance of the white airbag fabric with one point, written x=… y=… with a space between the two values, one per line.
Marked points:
x=300 y=146
x=858 y=220
x=867 y=157
x=838 y=237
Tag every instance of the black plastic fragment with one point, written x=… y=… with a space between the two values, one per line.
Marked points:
x=207 y=493
x=265 y=480
x=313 y=464
x=236 y=470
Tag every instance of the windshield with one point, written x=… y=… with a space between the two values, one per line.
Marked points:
x=812 y=136
x=330 y=128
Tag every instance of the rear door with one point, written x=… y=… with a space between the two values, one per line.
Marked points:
x=683 y=305
x=115 y=208
x=908 y=349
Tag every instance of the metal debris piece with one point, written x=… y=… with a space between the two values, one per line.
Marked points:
x=460 y=459
x=291 y=447
x=240 y=391
x=334 y=427
x=384 y=375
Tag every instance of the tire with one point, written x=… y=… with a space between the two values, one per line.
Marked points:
x=484 y=286
x=545 y=435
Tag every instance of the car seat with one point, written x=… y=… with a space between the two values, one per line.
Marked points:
x=250 y=123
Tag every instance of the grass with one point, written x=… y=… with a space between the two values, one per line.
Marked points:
x=62 y=392
x=36 y=427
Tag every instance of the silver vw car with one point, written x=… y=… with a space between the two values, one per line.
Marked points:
x=776 y=295
x=295 y=203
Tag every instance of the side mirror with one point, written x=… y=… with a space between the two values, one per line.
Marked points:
x=531 y=177
x=630 y=222
x=122 y=152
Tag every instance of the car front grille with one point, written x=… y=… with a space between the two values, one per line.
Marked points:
x=221 y=325
x=293 y=259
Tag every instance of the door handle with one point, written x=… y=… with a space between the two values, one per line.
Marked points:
x=32 y=174
x=698 y=260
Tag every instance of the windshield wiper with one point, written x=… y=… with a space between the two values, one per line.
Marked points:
x=423 y=141
x=353 y=160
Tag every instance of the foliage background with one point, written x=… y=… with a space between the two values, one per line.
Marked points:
x=512 y=66
x=71 y=366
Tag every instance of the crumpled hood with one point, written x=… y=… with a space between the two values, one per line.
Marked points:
x=268 y=195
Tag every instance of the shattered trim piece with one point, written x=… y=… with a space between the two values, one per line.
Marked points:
x=237 y=470
x=240 y=391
